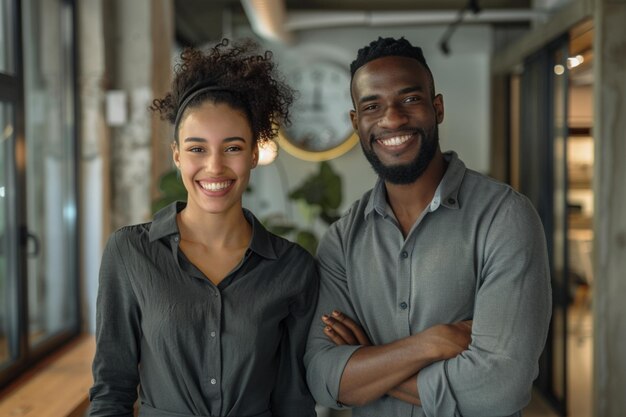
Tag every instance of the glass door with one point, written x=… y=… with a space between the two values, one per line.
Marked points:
x=39 y=300
x=560 y=249
x=11 y=321
x=8 y=307
x=542 y=177
x=50 y=170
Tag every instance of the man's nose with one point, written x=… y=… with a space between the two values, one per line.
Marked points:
x=393 y=118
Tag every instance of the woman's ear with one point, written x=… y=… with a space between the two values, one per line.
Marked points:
x=175 y=154
x=255 y=155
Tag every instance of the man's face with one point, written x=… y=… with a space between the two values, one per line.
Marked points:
x=396 y=117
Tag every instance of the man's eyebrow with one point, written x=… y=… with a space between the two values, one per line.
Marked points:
x=368 y=98
x=405 y=90
x=411 y=89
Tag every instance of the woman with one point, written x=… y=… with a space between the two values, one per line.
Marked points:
x=203 y=309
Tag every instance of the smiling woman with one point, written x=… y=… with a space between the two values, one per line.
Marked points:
x=202 y=303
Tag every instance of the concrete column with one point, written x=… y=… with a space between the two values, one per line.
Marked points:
x=130 y=69
x=610 y=215
x=94 y=162
x=162 y=47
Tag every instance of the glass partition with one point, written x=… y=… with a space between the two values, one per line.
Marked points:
x=6 y=37
x=50 y=170
x=7 y=293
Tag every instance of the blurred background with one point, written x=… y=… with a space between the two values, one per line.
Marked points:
x=533 y=92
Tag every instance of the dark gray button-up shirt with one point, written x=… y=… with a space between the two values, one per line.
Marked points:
x=194 y=348
x=477 y=252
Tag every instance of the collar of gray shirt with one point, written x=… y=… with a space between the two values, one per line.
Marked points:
x=164 y=225
x=446 y=194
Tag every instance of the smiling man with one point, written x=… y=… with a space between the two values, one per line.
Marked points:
x=435 y=294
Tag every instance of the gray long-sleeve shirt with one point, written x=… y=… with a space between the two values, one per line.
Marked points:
x=477 y=252
x=194 y=348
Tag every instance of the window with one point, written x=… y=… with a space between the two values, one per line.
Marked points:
x=8 y=316
x=38 y=182
x=6 y=37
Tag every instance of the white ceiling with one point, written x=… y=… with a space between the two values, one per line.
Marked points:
x=201 y=21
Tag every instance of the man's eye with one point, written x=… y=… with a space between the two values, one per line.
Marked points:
x=411 y=99
x=370 y=107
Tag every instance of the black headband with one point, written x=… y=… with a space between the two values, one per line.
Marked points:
x=194 y=91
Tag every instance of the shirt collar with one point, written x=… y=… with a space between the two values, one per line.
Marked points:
x=446 y=194
x=262 y=242
x=164 y=224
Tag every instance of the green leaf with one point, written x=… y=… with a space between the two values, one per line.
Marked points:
x=307 y=240
x=172 y=189
x=171 y=185
x=278 y=224
x=322 y=189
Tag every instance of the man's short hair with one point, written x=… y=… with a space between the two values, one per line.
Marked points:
x=383 y=47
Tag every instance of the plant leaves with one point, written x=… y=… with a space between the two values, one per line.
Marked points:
x=307 y=240
x=322 y=189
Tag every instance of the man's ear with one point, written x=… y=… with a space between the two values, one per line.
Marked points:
x=353 y=119
x=438 y=105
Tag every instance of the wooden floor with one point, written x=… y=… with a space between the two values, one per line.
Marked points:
x=56 y=388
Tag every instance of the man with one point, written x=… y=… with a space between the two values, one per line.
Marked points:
x=431 y=246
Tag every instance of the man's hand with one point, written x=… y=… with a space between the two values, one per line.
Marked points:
x=448 y=340
x=342 y=330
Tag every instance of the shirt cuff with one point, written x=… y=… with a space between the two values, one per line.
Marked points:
x=330 y=370
x=435 y=392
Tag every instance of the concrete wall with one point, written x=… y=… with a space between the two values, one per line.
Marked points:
x=610 y=200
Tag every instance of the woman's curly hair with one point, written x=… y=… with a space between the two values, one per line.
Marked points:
x=245 y=79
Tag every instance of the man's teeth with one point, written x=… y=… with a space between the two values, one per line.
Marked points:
x=395 y=141
x=215 y=186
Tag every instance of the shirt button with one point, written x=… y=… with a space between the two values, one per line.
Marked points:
x=176 y=239
x=403 y=305
x=404 y=254
x=213 y=381
x=212 y=334
x=451 y=201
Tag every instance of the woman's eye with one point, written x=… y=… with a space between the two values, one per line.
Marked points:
x=196 y=149
x=233 y=149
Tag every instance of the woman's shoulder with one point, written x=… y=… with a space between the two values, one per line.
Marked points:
x=288 y=248
x=126 y=237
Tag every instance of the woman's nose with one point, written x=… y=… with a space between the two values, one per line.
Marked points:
x=214 y=164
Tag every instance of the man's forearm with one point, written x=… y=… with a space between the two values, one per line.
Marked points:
x=374 y=371
x=407 y=391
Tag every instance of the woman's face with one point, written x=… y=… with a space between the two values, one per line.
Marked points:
x=215 y=154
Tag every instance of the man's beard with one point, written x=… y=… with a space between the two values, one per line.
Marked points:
x=405 y=173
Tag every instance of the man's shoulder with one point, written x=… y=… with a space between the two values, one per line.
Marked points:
x=356 y=212
x=482 y=195
x=487 y=189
